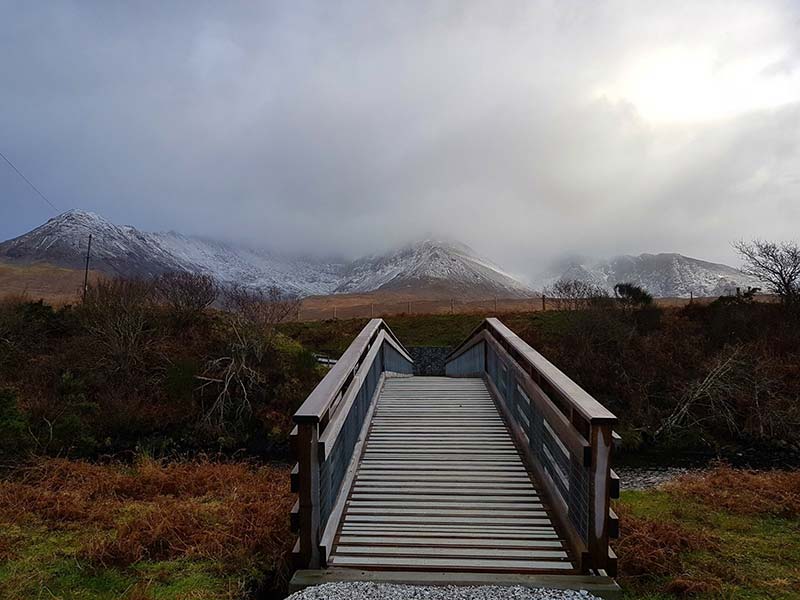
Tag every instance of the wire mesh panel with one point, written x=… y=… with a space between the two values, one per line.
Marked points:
x=332 y=470
x=469 y=363
x=327 y=434
x=396 y=362
x=564 y=434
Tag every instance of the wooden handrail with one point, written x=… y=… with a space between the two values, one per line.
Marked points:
x=539 y=367
x=330 y=426
x=563 y=434
x=316 y=407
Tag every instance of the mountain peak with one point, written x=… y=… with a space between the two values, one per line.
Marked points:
x=667 y=274
x=77 y=215
x=429 y=266
x=443 y=267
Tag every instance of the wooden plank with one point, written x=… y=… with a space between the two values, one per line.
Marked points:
x=433 y=498
x=422 y=476
x=485 y=552
x=459 y=563
x=450 y=540
x=433 y=465
x=445 y=504
x=445 y=489
x=454 y=520
x=488 y=513
x=526 y=533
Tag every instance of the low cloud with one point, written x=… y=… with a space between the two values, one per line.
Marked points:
x=527 y=130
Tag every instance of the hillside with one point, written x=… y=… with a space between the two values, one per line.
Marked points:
x=429 y=269
x=667 y=275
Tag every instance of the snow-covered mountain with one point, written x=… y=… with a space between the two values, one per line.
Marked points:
x=663 y=275
x=431 y=267
x=122 y=250
x=431 y=264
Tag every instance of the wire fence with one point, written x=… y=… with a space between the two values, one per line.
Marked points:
x=329 y=308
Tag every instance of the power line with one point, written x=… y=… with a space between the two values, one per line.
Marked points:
x=28 y=181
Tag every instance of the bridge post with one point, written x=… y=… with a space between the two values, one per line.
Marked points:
x=308 y=493
x=601 y=441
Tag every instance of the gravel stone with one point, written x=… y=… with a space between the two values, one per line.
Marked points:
x=643 y=478
x=386 y=591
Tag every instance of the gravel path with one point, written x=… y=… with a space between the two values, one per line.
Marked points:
x=385 y=591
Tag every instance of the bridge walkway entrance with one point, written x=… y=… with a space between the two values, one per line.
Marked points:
x=498 y=473
x=441 y=486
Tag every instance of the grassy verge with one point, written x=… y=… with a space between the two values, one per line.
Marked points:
x=178 y=531
x=728 y=534
x=333 y=336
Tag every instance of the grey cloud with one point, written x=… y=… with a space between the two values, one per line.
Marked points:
x=347 y=128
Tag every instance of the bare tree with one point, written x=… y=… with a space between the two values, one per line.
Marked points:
x=186 y=294
x=775 y=263
x=262 y=309
x=574 y=294
x=253 y=317
x=115 y=313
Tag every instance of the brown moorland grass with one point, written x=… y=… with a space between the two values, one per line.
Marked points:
x=649 y=547
x=743 y=492
x=57 y=285
x=234 y=514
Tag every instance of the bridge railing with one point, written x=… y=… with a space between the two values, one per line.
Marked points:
x=327 y=437
x=564 y=435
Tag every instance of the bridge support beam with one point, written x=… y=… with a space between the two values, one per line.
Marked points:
x=599 y=501
x=308 y=494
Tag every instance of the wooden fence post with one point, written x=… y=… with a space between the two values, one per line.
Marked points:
x=308 y=493
x=599 y=496
x=544 y=303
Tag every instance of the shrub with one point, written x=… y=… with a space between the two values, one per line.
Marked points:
x=650 y=548
x=234 y=514
x=632 y=296
x=574 y=294
x=186 y=295
x=115 y=312
x=744 y=492
x=14 y=437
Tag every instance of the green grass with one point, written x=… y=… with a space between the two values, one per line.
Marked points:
x=333 y=336
x=755 y=557
x=44 y=563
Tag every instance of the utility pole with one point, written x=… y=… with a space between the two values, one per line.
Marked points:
x=86 y=270
x=544 y=302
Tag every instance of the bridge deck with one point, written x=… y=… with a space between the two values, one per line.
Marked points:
x=441 y=487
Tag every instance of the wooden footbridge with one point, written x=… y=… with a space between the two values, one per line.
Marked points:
x=498 y=472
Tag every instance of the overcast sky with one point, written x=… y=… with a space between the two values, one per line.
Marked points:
x=524 y=129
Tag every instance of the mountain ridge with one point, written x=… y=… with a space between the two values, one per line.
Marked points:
x=665 y=275
x=437 y=267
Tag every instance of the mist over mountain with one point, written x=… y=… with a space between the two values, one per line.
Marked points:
x=434 y=267
x=665 y=275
